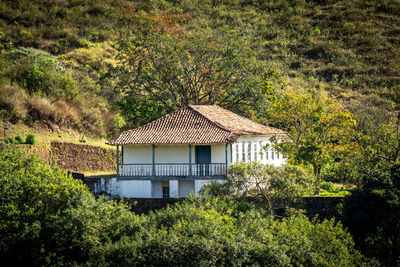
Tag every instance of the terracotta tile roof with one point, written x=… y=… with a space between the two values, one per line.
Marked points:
x=194 y=124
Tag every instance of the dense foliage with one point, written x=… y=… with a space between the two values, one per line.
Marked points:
x=48 y=218
x=277 y=188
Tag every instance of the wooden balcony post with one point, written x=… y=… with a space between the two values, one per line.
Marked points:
x=190 y=160
x=154 y=162
x=117 y=161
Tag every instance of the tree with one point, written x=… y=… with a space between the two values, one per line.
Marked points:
x=48 y=218
x=317 y=127
x=372 y=215
x=276 y=187
x=162 y=68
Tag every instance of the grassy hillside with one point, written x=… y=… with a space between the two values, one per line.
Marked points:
x=349 y=48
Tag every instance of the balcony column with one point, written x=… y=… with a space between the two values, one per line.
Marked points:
x=190 y=160
x=230 y=159
x=153 y=156
x=117 y=161
x=173 y=188
x=226 y=158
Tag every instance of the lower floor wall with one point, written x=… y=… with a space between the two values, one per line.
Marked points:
x=148 y=188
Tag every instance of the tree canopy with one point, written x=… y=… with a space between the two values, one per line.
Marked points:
x=162 y=68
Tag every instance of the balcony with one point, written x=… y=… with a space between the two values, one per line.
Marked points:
x=162 y=171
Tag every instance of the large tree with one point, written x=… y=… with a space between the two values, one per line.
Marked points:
x=162 y=68
x=317 y=127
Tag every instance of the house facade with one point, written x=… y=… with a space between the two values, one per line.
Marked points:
x=178 y=153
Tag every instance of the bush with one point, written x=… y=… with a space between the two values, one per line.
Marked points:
x=39 y=72
x=328 y=186
x=210 y=232
x=278 y=187
x=18 y=140
x=9 y=140
x=48 y=218
x=12 y=100
x=30 y=139
x=40 y=109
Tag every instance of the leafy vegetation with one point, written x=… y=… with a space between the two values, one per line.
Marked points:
x=276 y=187
x=349 y=49
x=64 y=224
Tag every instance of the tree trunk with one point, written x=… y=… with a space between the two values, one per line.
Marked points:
x=317 y=173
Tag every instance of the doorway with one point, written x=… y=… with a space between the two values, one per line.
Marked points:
x=203 y=160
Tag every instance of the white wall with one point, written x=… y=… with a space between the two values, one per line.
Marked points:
x=137 y=154
x=169 y=153
x=172 y=154
x=199 y=183
x=135 y=188
x=185 y=187
x=259 y=151
x=218 y=153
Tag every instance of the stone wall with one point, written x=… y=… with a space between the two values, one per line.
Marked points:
x=82 y=158
x=324 y=207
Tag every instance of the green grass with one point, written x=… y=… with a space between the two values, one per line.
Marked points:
x=46 y=137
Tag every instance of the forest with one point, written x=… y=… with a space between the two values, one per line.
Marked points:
x=326 y=72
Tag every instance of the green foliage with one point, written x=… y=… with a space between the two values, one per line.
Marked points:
x=372 y=215
x=48 y=218
x=328 y=186
x=18 y=140
x=318 y=128
x=328 y=189
x=277 y=187
x=38 y=71
x=164 y=68
x=30 y=139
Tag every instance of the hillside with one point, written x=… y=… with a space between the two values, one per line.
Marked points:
x=349 y=48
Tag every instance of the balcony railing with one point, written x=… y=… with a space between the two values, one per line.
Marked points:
x=172 y=170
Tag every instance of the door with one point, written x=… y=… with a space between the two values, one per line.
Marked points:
x=203 y=160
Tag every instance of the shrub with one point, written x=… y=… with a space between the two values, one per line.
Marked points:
x=30 y=139
x=276 y=186
x=39 y=72
x=328 y=186
x=40 y=109
x=48 y=218
x=19 y=140
x=12 y=100
x=9 y=140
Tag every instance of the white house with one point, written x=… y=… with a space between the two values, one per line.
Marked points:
x=178 y=153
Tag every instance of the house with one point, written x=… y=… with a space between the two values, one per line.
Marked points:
x=178 y=153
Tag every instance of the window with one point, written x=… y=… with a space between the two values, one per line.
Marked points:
x=243 y=152
x=165 y=192
x=255 y=151
x=277 y=155
x=266 y=154
x=272 y=155
x=249 y=152
x=262 y=155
